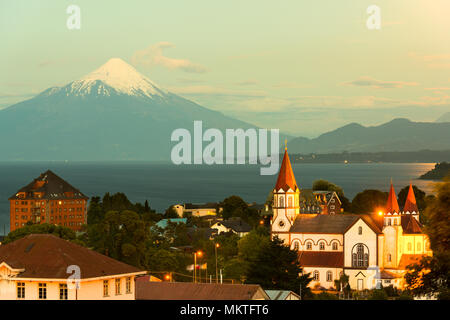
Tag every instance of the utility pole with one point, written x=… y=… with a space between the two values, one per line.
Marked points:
x=221 y=277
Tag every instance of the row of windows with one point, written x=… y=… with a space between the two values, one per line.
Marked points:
x=52 y=203
x=329 y=274
x=42 y=291
x=63 y=292
x=118 y=288
x=78 y=216
x=309 y=244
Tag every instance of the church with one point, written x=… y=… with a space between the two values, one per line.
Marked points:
x=371 y=249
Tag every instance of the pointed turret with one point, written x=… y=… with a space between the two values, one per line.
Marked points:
x=392 y=204
x=410 y=203
x=286 y=178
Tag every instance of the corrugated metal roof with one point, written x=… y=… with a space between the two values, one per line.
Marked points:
x=146 y=290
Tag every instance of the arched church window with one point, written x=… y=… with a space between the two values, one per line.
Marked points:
x=316 y=275
x=360 y=256
x=296 y=246
x=322 y=246
x=389 y=257
x=419 y=247
x=389 y=221
x=281 y=202
x=308 y=245
x=335 y=246
x=290 y=202
x=409 y=246
x=359 y=230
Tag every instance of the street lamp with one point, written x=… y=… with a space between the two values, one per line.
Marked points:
x=215 y=249
x=199 y=254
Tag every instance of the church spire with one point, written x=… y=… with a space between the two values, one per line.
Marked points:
x=410 y=203
x=392 y=204
x=286 y=178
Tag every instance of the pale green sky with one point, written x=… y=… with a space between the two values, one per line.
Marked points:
x=304 y=66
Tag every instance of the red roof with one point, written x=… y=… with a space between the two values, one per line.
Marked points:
x=321 y=259
x=410 y=203
x=410 y=225
x=286 y=178
x=392 y=204
x=45 y=256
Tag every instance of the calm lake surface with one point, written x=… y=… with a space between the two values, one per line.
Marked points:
x=166 y=184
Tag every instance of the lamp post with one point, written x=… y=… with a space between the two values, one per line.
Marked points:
x=199 y=254
x=215 y=249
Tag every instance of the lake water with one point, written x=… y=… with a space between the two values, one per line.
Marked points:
x=166 y=184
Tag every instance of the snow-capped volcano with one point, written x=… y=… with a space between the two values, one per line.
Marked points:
x=113 y=113
x=115 y=75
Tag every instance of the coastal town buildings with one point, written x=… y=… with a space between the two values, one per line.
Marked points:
x=48 y=199
x=371 y=249
x=45 y=267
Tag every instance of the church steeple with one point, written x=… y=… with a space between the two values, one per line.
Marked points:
x=286 y=178
x=392 y=204
x=410 y=203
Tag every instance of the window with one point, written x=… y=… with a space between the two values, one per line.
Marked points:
x=409 y=246
x=389 y=257
x=63 y=291
x=389 y=221
x=329 y=276
x=322 y=246
x=360 y=256
x=20 y=290
x=296 y=246
x=128 y=285
x=117 y=286
x=419 y=247
x=331 y=207
x=308 y=246
x=387 y=281
x=105 y=288
x=290 y=202
x=42 y=291
x=281 y=202
x=316 y=275
x=359 y=230
x=335 y=246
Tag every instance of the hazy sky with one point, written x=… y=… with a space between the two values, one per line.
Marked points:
x=303 y=66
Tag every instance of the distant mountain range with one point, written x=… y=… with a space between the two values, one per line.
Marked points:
x=116 y=113
x=396 y=135
x=113 y=113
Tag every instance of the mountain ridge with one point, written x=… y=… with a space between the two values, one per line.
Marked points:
x=399 y=134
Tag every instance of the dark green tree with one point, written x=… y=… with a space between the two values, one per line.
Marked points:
x=45 y=228
x=276 y=266
x=369 y=201
x=432 y=274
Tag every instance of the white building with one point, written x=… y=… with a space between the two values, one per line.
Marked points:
x=196 y=210
x=38 y=267
x=370 y=249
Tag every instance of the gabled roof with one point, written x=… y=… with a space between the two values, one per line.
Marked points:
x=44 y=256
x=321 y=259
x=410 y=225
x=280 y=294
x=236 y=224
x=392 y=204
x=410 y=203
x=52 y=186
x=146 y=290
x=331 y=224
x=286 y=178
x=335 y=224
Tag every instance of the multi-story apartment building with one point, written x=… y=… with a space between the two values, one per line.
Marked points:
x=48 y=199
